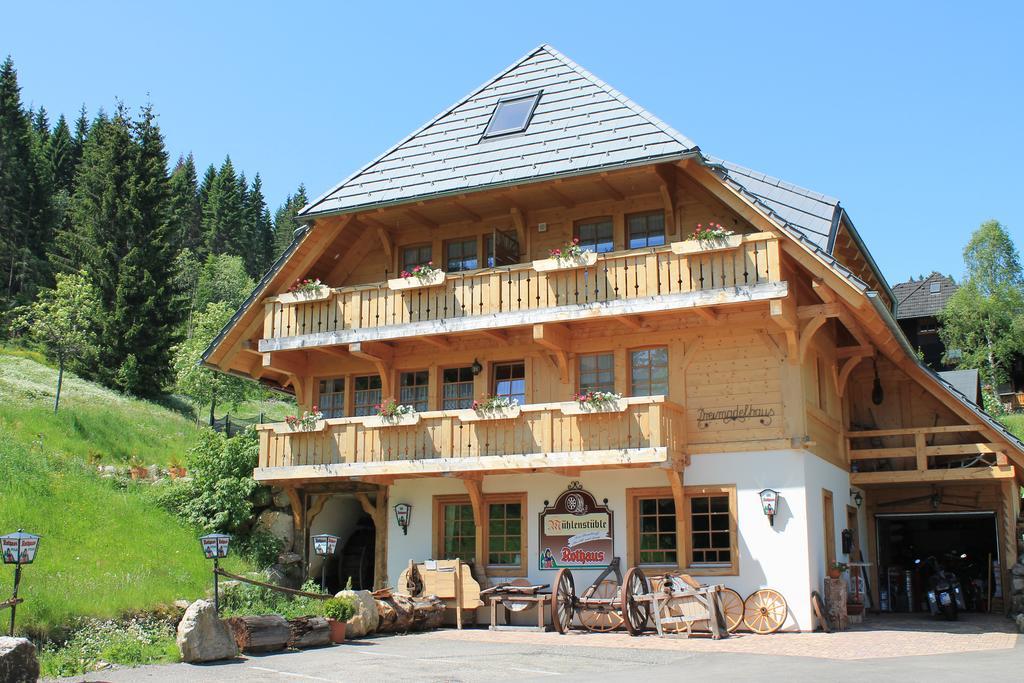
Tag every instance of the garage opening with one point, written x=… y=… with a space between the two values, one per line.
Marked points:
x=964 y=543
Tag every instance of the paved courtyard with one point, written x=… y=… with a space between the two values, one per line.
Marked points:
x=889 y=648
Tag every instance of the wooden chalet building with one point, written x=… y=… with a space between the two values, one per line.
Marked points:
x=770 y=361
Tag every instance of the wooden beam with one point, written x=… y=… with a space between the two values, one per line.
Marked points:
x=783 y=314
x=855 y=330
x=842 y=376
x=823 y=291
x=666 y=187
x=417 y=217
x=706 y=314
x=386 y=242
x=854 y=351
x=563 y=199
x=474 y=487
x=808 y=333
x=496 y=335
x=813 y=311
x=286 y=362
x=438 y=341
x=519 y=219
x=336 y=351
x=691 y=350
x=675 y=480
x=602 y=180
x=471 y=215
x=383 y=357
x=552 y=336
x=995 y=472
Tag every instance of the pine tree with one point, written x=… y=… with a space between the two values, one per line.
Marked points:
x=285 y=223
x=60 y=156
x=223 y=215
x=185 y=212
x=260 y=231
x=81 y=131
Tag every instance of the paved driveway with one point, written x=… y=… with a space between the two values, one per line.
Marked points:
x=979 y=648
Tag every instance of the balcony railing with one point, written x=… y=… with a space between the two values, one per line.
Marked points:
x=541 y=435
x=619 y=276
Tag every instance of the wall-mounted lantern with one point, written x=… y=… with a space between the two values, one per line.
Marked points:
x=324 y=546
x=403 y=513
x=877 y=393
x=476 y=368
x=858 y=499
x=770 y=504
x=18 y=549
x=215 y=546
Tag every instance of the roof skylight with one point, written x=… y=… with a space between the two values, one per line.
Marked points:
x=512 y=115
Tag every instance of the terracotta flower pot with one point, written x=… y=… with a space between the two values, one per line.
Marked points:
x=834 y=573
x=337 y=630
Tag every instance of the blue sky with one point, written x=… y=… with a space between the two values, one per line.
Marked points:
x=910 y=113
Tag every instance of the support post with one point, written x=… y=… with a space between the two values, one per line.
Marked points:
x=14 y=598
x=216 y=587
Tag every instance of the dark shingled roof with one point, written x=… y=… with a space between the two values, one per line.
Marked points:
x=916 y=299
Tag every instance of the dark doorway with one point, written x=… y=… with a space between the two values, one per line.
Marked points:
x=964 y=543
x=356 y=559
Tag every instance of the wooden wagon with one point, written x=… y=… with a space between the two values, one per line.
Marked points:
x=677 y=604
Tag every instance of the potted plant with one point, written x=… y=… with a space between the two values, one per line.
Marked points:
x=309 y=421
x=420 y=276
x=337 y=611
x=137 y=468
x=836 y=570
x=595 y=402
x=570 y=255
x=491 y=408
x=390 y=413
x=175 y=468
x=308 y=289
x=705 y=238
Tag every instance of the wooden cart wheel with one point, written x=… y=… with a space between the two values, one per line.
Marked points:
x=819 y=612
x=732 y=609
x=605 y=616
x=563 y=601
x=635 y=612
x=765 y=611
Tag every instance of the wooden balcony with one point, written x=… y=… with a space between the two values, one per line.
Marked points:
x=649 y=431
x=619 y=283
x=892 y=456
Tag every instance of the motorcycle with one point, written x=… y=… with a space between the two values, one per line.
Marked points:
x=945 y=595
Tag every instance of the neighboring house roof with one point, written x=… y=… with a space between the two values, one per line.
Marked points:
x=967 y=382
x=920 y=299
x=816 y=215
x=580 y=125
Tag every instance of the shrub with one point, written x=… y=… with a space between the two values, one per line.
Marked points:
x=222 y=483
x=340 y=609
x=243 y=600
x=259 y=547
x=133 y=642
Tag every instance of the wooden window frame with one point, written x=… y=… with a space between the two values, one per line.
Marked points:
x=344 y=392
x=493 y=377
x=352 y=396
x=591 y=220
x=629 y=367
x=475 y=239
x=441 y=384
x=400 y=256
x=684 y=549
x=457 y=499
x=652 y=212
x=579 y=368
x=418 y=370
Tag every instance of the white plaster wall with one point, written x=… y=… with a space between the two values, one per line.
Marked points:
x=773 y=556
x=820 y=475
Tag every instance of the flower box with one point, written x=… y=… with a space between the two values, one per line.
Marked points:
x=584 y=260
x=283 y=428
x=581 y=408
x=504 y=413
x=706 y=246
x=379 y=421
x=318 y=294
x=432 y=280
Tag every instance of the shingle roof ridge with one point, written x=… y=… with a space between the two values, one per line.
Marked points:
x=458 y=103
x=633 y=106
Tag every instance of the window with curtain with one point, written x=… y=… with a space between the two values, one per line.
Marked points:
x=645 y=229
x=510 y=381
x=456 y=388
x=414 y=390
x=418 y=255
x=596 y=235
x=648 y=372
x=331 y=398
x=366 y=396
x=597 y=372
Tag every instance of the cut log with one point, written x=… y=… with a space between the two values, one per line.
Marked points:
x=260 y=634
x=309 y=632
x=401 y=613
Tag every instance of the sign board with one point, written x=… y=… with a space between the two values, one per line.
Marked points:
x=325 y=544
x=18 y=548
x=215 y=545
x=576 y=532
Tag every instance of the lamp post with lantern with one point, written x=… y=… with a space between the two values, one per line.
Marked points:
x=324 y=545
x=18 y=549
x=215 y=546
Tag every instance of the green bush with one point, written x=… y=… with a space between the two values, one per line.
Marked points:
x=259 y=547
x=130 y=643
x=340 y=609
x=247 y=600
x=218 y=495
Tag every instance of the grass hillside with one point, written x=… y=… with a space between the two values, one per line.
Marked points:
x=106 y=548
x=92 y=421
x=1015 y=423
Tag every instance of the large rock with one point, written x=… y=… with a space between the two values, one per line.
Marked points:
x=1020 y=623
x=366 y=618
x=18 y=663
x=279 y=525
x=281 y=499
x=202 y=636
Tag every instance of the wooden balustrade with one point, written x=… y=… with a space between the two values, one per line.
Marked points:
x=539 y=430
x=894 y=455
x=754 y=259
